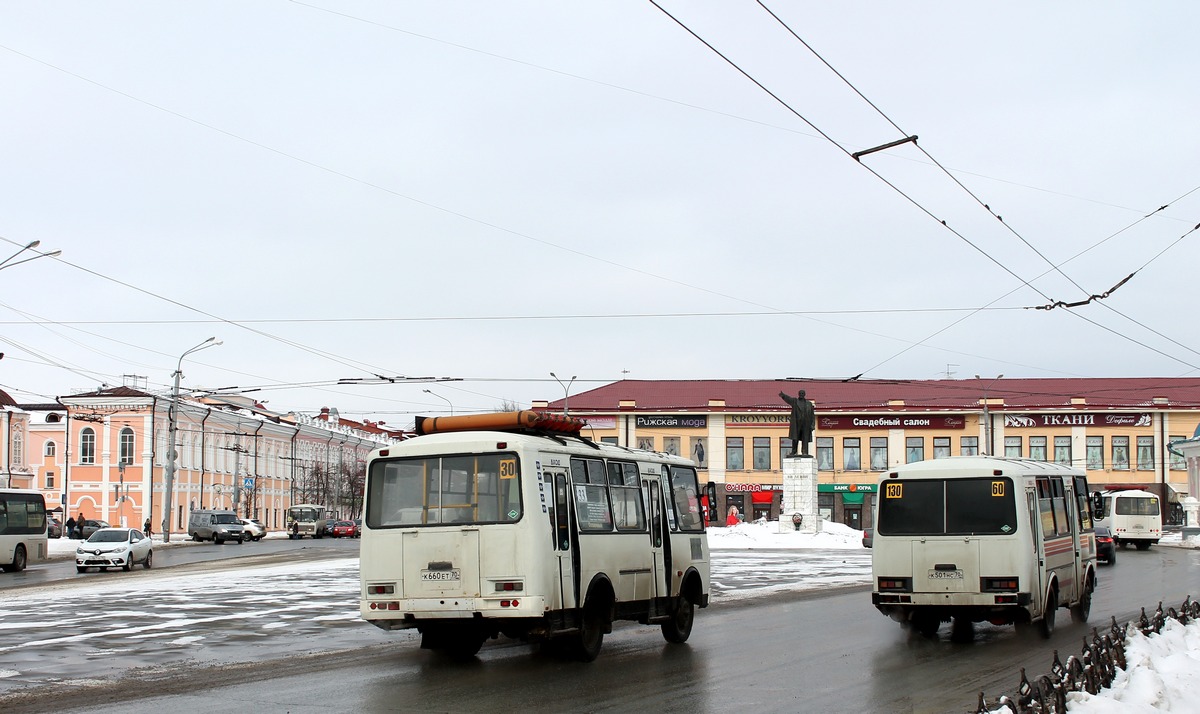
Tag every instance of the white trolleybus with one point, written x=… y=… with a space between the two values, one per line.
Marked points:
x=22 y=528
x=983 y=539
x=513 y=524
x=1133 y=517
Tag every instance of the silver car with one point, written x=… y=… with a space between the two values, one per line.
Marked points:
x=114 y=548
x=253 y=528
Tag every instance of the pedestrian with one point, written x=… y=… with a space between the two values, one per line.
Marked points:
x=70 y=527
x=79 y=526
x=146 y=528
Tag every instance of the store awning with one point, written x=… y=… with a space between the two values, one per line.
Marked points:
x=852 y=498
x=761 y=496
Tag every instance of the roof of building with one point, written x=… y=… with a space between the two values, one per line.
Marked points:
x=706 y=395
x=5 y=400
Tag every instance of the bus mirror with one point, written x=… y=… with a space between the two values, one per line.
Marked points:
x=1097 y=504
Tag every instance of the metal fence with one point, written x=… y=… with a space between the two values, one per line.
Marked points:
x=1094 y=669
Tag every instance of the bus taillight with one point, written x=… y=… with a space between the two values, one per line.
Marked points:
x=510 y=586
x=903 y=585
x=381 y=589
x=1001 y=585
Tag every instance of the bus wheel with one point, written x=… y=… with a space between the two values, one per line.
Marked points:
x=1143 y=545
x=1047 y=628
x=679 y=627
x=18 y=562
x=927 y=625
x=463 y=646
x=591 y=633
x=1080 y=611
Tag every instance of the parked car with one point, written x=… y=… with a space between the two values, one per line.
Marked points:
x=89 y=527
x=253 y=528
x=114 y=548
x=868 y=532
x=344 y=529
x=215 y=525
x=54 y=528
x=1106 y=549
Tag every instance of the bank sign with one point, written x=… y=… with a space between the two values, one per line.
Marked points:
x=1026 y=421
x=673 y=421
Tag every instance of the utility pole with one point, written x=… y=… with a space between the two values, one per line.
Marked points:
x=987 y=418
x=172 y=428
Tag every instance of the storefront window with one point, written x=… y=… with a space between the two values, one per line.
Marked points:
x=1062 y=450
x=608 y=440
x=825 y=453
x=879 y=456
x=914 y=449
x=1037 y=448
x=762 y=453
x=699 y=451
x=941 y=447
x=1095 y=452
x=1177 y=461
x=1120 y=452
x=852 y=453
x=671 y=445
x=969 y=446
x=1145 y=454
x=735 y=453
x=1012 y=447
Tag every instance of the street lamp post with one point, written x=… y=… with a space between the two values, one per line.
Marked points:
x=7 y=262
x=428 y=391
x=173 y=426
x=566 y=392
x=987 y=419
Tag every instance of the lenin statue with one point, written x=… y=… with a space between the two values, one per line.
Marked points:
x=800 y=426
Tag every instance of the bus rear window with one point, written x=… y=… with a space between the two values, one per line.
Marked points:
x=975 y=506
x=1137 y=506
x=476 y=488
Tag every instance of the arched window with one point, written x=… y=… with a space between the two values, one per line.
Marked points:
x=18 y=449
x=126 y=446
x=50 y=449
x=87 y=446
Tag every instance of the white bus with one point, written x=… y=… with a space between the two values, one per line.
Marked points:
x=306 y=519
x=22 y=528
x=1133 y=517
x=514 y=524
x=983 y=539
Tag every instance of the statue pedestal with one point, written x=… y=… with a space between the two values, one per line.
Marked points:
x=799 y=495
x=1191 y=510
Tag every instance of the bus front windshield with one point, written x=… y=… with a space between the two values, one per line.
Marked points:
x=968 y=506
x=304 y=515
x=431 y=490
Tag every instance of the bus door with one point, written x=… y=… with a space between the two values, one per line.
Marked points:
x=652 y=495
x=1037 y=584
x=566 y=556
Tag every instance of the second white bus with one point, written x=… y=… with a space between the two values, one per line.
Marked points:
x=306 y=519
x=983 y=539
x=22 y=529
x=514 y=524
x=1134 y=517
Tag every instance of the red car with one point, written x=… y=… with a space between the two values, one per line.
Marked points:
x=344 y=529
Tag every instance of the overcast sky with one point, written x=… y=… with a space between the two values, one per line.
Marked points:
x=495 y=191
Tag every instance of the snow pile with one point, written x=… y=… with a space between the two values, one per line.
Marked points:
x=1162 y=674
x=763 y=535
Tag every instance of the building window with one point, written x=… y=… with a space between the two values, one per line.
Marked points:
x=762 y=453
x=49 y=479
x=1120 y=452
x=735 y=453
x=671 y=445
x=825 y=453
x=879 y=459
x=646 y=443
x=1013 y=449
x=608 y=440
x=87 y=446
x=1037 y=448
x=1145 y=453
x=1095 y=453
x=914 y=449
x=700 y=451
x=50 y=449
x=969 y=446
x=941 y=447
x=1177 y=462
x=18 y=449
x=852 y=453
x=126 y=446
x=785 y=448
x=1062 y=450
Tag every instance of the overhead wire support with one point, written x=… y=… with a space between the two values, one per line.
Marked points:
x=908 y=139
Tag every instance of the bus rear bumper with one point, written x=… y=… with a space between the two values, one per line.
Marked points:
x=997 y=608
x=406 y=613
